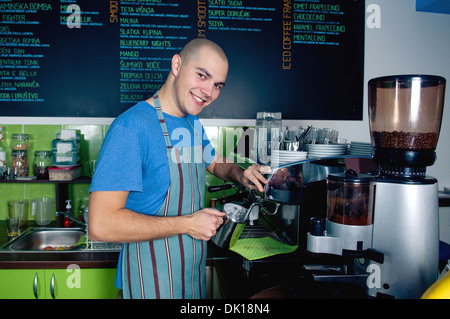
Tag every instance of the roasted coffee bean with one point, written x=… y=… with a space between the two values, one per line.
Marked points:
x=406 y=140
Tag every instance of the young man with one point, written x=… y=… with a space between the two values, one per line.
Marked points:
x=148 y=187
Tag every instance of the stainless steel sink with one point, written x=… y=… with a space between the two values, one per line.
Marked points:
x=46 y=239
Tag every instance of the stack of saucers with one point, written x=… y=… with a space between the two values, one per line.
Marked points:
x=360 y=149
x=280 y=157
x=326 y=150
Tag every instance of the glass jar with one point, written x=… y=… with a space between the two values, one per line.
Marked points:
x=350 y=198
x=268 y=134
x=42 y=161
x=20 y=142
x=19 y=163
x=405 y=117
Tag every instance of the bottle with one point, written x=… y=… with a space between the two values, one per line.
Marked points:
x=2 y=155
x=67 y=221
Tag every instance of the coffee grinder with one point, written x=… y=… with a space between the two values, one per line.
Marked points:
x=349 y=223
x=405 y=113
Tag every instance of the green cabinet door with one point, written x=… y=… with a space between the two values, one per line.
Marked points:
x=81 y=283
x=22 y=284
x=70 y=283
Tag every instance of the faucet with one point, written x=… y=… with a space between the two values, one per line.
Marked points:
x=72 y=218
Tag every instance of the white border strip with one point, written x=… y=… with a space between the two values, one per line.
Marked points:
x=56 y=120
x=347 y=128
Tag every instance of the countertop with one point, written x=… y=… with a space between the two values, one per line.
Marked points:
x=53 y=260
x=83 y=258
x=273 y=277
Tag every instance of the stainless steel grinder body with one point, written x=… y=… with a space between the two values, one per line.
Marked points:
x=406 y=231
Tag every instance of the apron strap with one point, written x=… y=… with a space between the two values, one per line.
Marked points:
x=162 y=121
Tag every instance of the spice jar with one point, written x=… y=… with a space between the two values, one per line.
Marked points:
x=19 y=163
x=42 y=161
x=20 y=142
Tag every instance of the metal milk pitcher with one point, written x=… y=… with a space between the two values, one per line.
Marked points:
x=235 y=215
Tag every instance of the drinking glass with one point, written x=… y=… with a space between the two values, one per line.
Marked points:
x=12 y=226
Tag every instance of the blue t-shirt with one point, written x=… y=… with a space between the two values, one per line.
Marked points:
x=133 y=156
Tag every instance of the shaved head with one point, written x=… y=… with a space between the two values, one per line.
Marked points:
x=196 y=76
x=192 y=48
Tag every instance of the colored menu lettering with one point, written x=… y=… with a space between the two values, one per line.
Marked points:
x=84 y=58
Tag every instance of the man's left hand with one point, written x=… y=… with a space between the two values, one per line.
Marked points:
x=253 y=178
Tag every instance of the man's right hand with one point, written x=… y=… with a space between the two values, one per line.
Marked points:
x=203 y=223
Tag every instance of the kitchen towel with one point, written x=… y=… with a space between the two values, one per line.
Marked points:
x=81 y=242
x=258 y=248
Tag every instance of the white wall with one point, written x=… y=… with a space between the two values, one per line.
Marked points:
x=406 y=42
x=413 y=42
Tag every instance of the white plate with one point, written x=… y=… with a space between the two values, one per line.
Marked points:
x=287 y=162
x=327 y=146
x=284 y=161
x=321 y=156
x=360 y=143
x=290 y=153
x=359 y=152
x=289 y=157
x=327 y=152
x=360 y=149
x=293 y=153
x=324 y=154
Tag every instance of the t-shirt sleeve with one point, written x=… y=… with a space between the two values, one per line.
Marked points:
x=119 y=166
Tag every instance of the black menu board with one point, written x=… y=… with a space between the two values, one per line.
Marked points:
x=85 y=58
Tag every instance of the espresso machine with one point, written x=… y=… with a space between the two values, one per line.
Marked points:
x=405 y=113
x=300 y=190
x=295 y=193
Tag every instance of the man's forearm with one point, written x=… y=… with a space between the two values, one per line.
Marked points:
x=229 y=172
x=128 y=226
x=251 y=177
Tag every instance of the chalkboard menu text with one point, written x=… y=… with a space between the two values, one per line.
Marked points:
x=87 y=58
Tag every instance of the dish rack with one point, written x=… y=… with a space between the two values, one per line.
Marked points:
x=100 y=245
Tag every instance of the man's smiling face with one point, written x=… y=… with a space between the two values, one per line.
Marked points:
x=198 y=81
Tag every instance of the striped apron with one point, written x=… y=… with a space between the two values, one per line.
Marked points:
x=174 y=267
